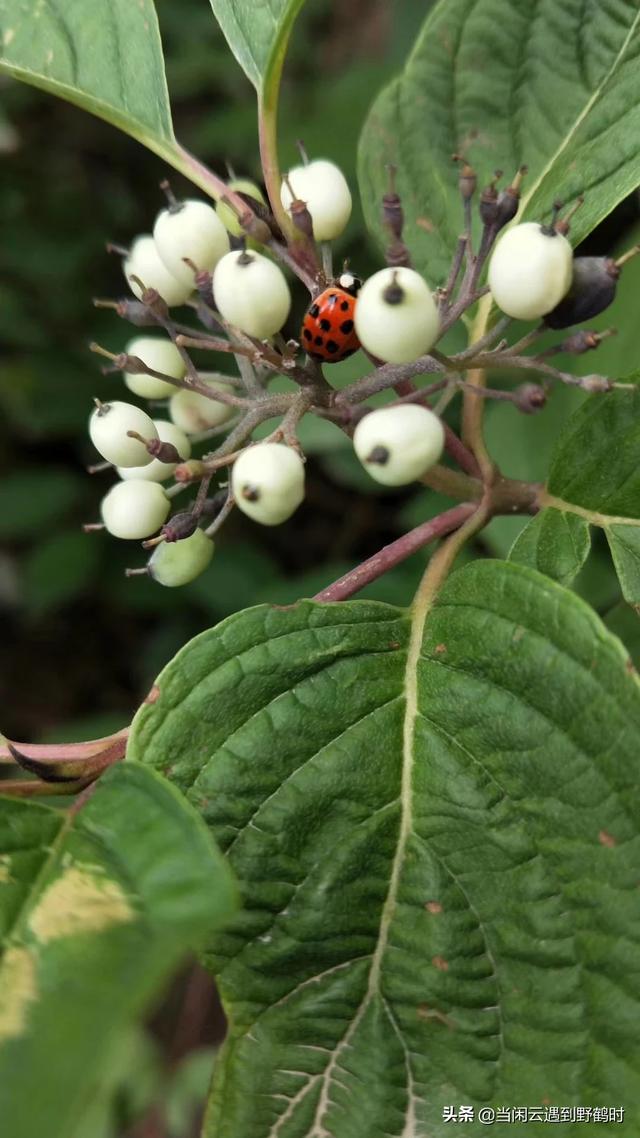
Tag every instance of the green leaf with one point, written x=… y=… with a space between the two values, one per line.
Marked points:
x=127 y=1089
x=624 y=622
x=257 y=34
x=624 y=543
x=434 y=819
x=595 y=476
x=595 y=463
x=105 y=56
x=554 y=86
x=554 y=542
x=97 y=906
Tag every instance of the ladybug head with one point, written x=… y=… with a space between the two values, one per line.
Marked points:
x=349 y=283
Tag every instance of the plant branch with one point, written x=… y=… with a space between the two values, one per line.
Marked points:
x=452 y=483
x=454 y=273
x=395 y=553
x=459 y=452
x=386 y=377
x=485 y=341
x=266 y=408
x=532 y=363
x=473 y=409
x=205 y=178
x=268 y=135
x=442 y=561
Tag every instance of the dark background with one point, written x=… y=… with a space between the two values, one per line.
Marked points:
x=81 y=644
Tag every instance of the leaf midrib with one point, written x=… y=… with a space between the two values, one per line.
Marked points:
x=420 y=613
x=526 y=198
x=594 y=517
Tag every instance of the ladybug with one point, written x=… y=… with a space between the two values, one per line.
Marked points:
x=327 y=331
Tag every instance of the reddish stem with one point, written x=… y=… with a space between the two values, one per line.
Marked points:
x=460 y=453
x=396 y=552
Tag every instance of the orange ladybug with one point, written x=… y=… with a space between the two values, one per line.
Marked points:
x=327 y=331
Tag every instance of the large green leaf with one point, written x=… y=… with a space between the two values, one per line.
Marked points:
x=595 y=477
x=257 y=34
x=97 y=906
x=595 y=462
x=624 y=543
x=435 y=820
x=624 y=622
x=103 y=55
x=553 y=85
x=555 y=542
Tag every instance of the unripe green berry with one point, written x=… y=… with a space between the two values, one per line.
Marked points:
x=267 y=481
x=190 y=229
x=145 y=263
x=160 y=355
x=398 y=444
x=157 y=471
x=227 y=215
x=396 y=318
x=530 y=270
x=179 y=562
x=108 y=427
x=251 y=293
x=193 y=412
x=324 y=189
x=134 y=510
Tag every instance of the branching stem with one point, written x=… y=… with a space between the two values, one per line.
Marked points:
x=395 y=553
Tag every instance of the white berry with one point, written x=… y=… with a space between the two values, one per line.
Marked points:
x=324 y=189
x=530 y=270
x=267 y=481
x=190 y=229
x=397 y=444
x=145 y=263
x=157 y=471
x=134 y=510
x=228 y=215
x=177 y=562
x=251 y=293
x=108 y=428
x=159 y=355
x=396 y=318
x=193 y=412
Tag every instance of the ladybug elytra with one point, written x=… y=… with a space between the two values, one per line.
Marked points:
x=327 y=331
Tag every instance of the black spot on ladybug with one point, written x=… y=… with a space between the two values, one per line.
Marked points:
x=307 y=334
x=332 y=346
x=345 y=306
x=314 y=310
x=319 y=341
x=346 y=326
x=325 y=325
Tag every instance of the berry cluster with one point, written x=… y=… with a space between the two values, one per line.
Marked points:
x=227 y=265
